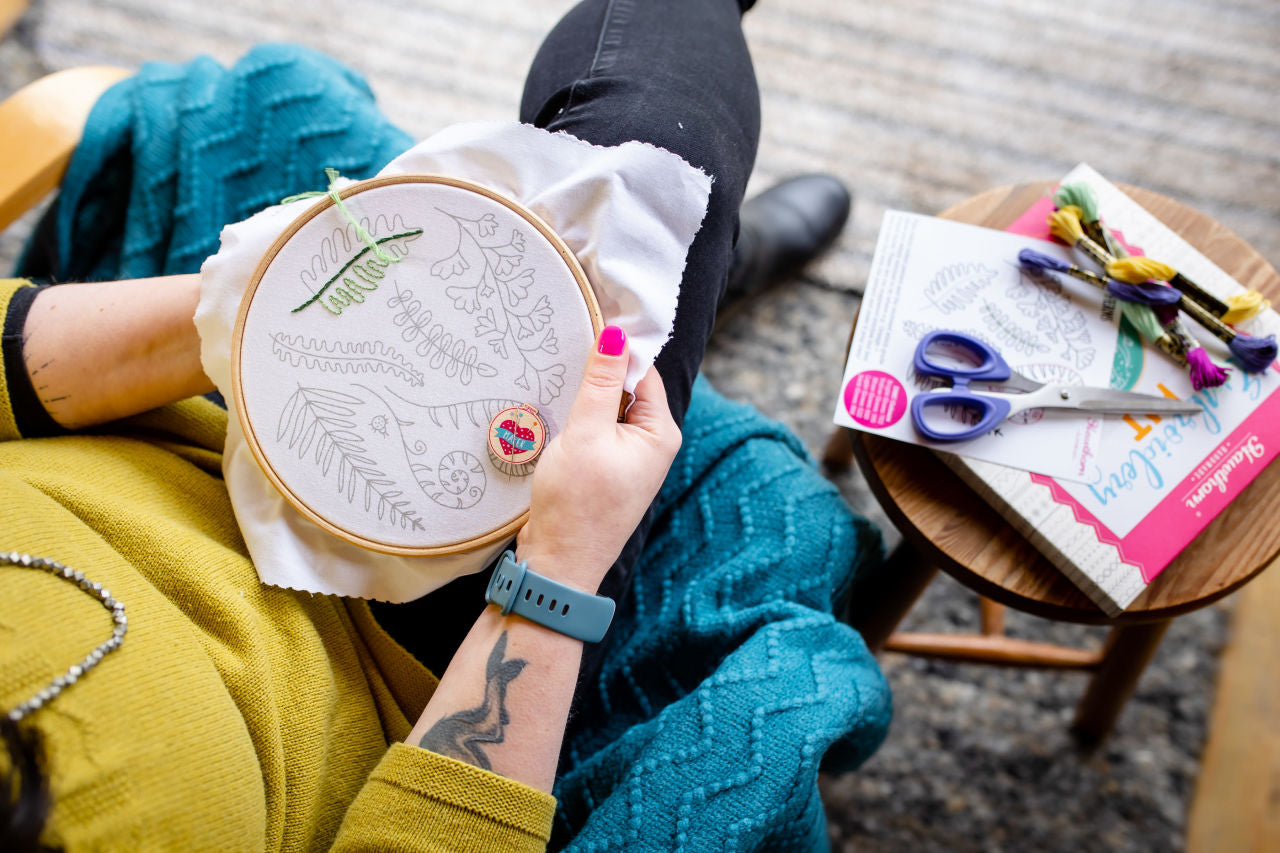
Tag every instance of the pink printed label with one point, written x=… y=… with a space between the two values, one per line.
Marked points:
x=875 y=399
x=1189 y=506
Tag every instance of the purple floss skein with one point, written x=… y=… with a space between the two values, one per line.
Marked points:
x=1204 y=373
x=1166 y=314
x=1146 y=293
x=1041 y=261
x=1254 y=354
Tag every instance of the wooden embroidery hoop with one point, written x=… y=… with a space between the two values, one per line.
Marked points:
x=251 y=438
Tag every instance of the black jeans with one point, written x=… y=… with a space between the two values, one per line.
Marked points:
x=677 y=74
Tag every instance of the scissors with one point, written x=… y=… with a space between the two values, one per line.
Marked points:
x=984 y=364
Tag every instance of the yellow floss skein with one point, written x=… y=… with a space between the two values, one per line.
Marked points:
x=1245 y=305
x=1136 y=270
x=1065 y=225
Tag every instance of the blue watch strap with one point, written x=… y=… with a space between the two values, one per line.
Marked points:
x=518 y=589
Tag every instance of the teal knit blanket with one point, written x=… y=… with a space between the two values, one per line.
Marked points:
x=727 y=680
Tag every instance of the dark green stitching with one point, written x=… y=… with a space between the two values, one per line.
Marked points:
x=354 y=258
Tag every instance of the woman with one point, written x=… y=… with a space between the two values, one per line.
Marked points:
x=240 y=716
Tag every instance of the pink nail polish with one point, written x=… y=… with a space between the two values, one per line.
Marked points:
x=612 y=341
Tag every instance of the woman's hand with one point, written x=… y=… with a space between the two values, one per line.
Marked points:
x=596 y=479
x=503 y=701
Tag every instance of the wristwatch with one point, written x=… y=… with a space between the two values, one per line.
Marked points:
x=518 y=589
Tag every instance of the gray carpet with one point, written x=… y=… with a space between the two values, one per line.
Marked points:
x=917 y=105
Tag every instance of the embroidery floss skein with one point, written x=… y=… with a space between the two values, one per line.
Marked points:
x=1081 y=195
x=1204 y=373
x=1139 y=315
x=1254 y=354
x=1065 y=225
x=1146 y=293
x=1238 y=308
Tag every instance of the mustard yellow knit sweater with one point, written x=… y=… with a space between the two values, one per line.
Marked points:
x=236 y=716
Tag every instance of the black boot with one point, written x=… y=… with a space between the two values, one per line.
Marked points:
x=782 y=229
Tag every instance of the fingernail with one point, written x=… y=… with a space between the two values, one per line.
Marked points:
x=612 y=341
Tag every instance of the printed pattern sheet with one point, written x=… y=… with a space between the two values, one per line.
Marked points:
x=931 y=274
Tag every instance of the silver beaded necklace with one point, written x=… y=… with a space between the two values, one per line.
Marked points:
x=78 y=670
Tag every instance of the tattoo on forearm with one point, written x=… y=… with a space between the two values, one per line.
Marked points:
x=466 y=734
x=47 y=398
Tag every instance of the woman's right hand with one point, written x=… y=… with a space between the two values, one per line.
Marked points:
x=597 y=478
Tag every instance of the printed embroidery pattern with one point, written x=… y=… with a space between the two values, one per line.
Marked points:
x=321 y=421
x=957 y=286
x=457 y=482
x=471 y=321
x=1039 y=297
x=496 y=296
x=476 y=413
x=443 y=351
x=350 y=357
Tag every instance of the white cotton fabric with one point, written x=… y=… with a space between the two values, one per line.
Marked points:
x=628 y=213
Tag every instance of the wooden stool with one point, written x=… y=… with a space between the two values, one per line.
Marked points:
x=945 y=525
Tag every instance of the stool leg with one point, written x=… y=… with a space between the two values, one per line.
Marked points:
x=881 y=598
x=1128 y=650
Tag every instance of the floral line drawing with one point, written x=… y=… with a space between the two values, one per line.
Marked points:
x=495 y=297
x=321 y=421
x=457 y=481
x=443 y=351
x=477 y=412
x=349 y=357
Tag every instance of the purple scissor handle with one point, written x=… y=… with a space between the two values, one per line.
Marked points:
x=990 y=367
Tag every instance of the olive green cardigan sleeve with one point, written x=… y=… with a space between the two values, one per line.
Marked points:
x=235 y=715
x=418 y=800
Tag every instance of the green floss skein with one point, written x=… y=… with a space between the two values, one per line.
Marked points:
x=1143 y=319
x=1081 y=195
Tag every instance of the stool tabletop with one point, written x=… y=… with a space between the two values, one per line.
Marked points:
x=950 y=525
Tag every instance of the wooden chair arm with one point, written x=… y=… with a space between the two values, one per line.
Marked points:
x=10 y=12
x=42 y=123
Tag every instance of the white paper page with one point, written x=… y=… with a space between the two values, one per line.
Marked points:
x=930 y=274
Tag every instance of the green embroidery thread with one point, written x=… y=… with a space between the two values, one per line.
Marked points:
x=364 y=235
x=367 y=273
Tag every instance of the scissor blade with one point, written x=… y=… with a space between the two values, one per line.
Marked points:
x=1105 y=400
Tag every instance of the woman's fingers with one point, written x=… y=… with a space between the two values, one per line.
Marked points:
x=650 y=411
x=598 y=397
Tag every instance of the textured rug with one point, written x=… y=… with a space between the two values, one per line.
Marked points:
x=916 y=105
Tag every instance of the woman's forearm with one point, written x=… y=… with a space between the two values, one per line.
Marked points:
x=504 y=700
x=101 y=351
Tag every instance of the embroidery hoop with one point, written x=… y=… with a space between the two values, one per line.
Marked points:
x=502 y=532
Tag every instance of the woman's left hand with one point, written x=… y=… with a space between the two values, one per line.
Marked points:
x=597 y=478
